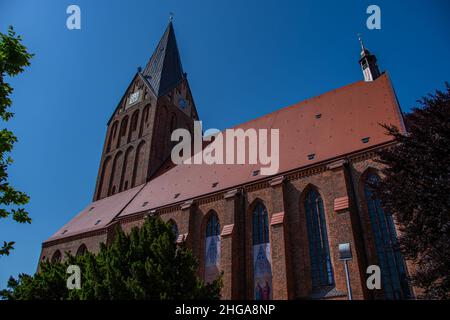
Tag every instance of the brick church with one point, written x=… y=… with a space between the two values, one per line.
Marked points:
x=274 y=237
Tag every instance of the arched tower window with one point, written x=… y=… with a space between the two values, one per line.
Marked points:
x=103 y=180
x=146 y=110
x=319 y=250
x=144 y=120
x=127 y=169
x=262 y=265
x=112 y=136
x=115 y=178
x=56 y=257
x=390 y=260
x=123 y=130
x=134 y=125
x=114 y=129
x=138 y=168
x=212 y=248
x=81 y=250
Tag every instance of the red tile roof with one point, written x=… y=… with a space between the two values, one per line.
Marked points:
x=97 y=214
x=336 y=123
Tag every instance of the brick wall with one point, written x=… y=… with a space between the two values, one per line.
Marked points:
x=137 y=140
x=340 y=185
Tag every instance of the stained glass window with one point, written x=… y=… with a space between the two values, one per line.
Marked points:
x=390 y=260
x=56 y=256
x=213 y=227
x=262 y=263
x=319 y=250
x=81 y=250
x=212 y=248
x=260 y=225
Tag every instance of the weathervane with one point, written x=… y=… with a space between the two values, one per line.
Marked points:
x=171 y=16
x=361 y=42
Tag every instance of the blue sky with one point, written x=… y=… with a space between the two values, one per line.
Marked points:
x=243 y=58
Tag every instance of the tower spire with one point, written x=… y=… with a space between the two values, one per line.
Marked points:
x=368 y=63
x=164 y=70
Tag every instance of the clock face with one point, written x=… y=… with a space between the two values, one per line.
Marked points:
x=182 y=103
x=134 y=97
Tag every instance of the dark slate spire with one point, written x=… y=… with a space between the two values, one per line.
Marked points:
x=164 y=70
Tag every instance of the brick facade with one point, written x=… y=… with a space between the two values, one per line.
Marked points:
x=136 y=153
x=131 y=155
x=283 y=197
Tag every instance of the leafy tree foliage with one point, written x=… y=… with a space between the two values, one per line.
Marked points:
x=145 y=264
x=13 y=58
x=416 y=189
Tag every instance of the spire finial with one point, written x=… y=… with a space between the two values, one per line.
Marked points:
x=171 y=16
x=361 y=42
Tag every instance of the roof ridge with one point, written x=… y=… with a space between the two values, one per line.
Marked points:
x=297 y=104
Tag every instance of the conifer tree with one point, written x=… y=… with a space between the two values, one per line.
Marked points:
x=145 y=264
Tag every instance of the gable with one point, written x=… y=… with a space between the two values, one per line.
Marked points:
x=138 y=83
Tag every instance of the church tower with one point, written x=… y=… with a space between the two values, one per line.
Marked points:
x=157 y=101
x=368 y=63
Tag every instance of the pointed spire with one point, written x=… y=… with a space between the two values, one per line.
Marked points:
x=164 y=69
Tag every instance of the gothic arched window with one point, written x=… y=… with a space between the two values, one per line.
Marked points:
x=390 y=260
x=138 y=168
x=81 y=250
x=319 y=250
x=115 y=180
x=262 y=265
x=260 y=225
x=212 y=248
x=134 y=124
x=146 y=110
x=114 y=129
x=56 y=256
x=213 y=226
x=144 y=120
x=106 y=168
x=112 y=135
x=123 y=130
x=126 y=169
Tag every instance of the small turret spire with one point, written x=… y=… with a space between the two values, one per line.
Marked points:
x=361 y=42
x=368 y=63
